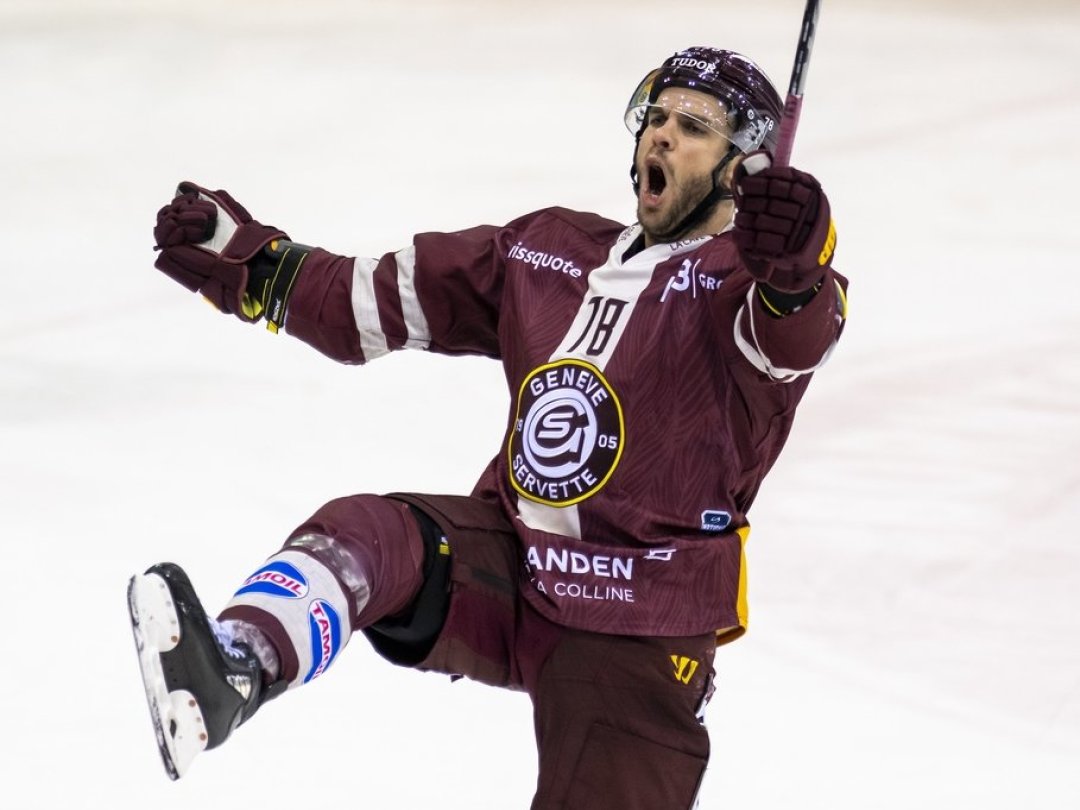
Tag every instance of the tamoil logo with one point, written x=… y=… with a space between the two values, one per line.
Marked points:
x=325 y=628
x=277 y=578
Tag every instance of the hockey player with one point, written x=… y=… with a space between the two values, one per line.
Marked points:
x=655 y=371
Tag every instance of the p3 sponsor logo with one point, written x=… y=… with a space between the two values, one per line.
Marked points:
x=324 y=625
x=277 y=578
x=689 y=278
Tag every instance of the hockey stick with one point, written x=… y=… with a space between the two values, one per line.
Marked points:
x=793 y=104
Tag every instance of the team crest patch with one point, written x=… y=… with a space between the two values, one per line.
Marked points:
x=568 y=434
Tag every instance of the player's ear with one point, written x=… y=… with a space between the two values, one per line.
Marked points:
x=729 y=171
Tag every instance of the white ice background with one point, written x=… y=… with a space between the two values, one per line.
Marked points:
x=914 y=564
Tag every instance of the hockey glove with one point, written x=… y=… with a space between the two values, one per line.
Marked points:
x=206 y=241
x=783 y=227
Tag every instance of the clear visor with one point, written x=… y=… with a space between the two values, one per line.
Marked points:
x=746 y=130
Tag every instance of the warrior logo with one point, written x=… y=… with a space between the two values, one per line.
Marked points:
x=568 y=434
x=276 y=578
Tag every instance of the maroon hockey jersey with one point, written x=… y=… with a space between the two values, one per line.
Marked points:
x=651 y=393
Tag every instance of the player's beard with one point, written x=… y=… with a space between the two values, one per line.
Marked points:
x=667 y=224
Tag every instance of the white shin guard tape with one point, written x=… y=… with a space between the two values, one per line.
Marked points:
x=302 y=594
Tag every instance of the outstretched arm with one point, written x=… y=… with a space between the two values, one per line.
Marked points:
x=442 y=293
x=797 y=305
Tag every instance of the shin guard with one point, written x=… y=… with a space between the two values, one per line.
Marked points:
x=309 y=610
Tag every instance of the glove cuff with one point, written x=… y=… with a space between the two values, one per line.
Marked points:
x=273 y=273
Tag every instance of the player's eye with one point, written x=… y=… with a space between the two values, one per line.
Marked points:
x=693 y=126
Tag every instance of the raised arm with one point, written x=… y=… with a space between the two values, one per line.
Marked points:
x=796 y=307
x=442 y=293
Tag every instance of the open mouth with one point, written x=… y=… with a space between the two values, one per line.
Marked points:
x=655 y=181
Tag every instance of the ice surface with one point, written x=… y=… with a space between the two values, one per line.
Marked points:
x=915 y=573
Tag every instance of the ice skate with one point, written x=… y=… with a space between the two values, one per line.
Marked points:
x=199 y=685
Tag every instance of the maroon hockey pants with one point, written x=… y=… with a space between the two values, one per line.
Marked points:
x=616 y=717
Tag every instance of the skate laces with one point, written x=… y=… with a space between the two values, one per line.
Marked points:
x=239 y=640
x=225 y=639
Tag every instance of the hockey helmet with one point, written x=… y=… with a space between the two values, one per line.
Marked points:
x=751 y=108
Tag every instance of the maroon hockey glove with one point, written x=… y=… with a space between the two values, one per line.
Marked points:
x=206 y=240
x=783 y=227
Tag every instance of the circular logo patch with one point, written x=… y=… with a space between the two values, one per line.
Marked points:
x=568 y=434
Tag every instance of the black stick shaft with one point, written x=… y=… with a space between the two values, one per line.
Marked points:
x=793 y=104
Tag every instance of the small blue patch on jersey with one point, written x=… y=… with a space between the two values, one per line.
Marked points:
x=715 y=520
x=277 y=578
x=325 y=627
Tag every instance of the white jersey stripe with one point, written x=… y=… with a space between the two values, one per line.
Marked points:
x=622 y=282
x=366 y=309
x=757 y=357
x=416 y=325
x=565 y=520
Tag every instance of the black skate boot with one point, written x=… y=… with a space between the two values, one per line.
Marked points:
x=199 y=688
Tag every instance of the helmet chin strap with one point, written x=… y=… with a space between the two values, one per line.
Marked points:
x=708 y=203
x=703 y=210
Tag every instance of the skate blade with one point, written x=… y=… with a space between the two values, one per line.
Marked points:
x=177 y=718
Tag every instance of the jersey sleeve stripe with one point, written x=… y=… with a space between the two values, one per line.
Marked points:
x=366 y=309
x=416 y=324
x=746 y=340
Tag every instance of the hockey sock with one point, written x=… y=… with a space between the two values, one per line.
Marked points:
x=302 y=610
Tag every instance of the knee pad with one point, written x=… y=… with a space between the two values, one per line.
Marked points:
x=408 y=637
x=309 y=603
